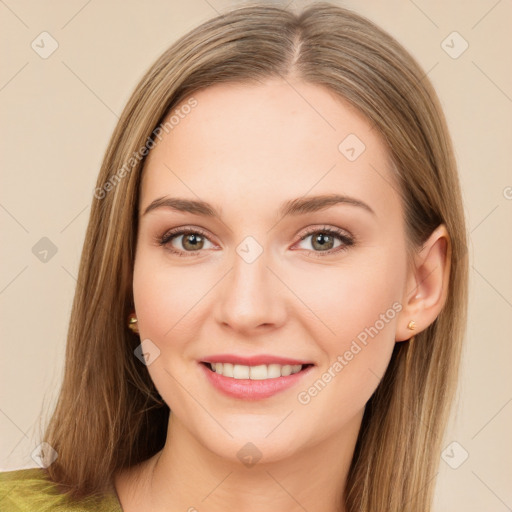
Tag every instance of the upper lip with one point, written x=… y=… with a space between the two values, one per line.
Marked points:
x=253 y=360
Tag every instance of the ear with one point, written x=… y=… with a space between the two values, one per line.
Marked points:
x=426 y=284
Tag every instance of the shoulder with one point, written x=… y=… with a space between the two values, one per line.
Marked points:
x=28 y=490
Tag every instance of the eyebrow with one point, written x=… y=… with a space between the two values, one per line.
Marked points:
x=298 y=206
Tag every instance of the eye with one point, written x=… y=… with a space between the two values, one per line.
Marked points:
x=192 y=241
x=324 y=241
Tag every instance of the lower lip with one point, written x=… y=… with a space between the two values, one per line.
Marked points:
x=249 y=389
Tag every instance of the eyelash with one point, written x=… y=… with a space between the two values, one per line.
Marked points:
x=346 y=240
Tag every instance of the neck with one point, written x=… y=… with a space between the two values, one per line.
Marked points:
x=186 y=476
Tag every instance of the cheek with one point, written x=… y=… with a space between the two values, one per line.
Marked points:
x=361 y=306
x=348 y=299
x=163 y=296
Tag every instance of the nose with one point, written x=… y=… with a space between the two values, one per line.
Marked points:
x=251 y=299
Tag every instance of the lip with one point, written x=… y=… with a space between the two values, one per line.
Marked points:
x=253 y=360
x=248 y=389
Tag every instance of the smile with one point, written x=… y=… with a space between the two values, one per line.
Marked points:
x=255 y=380
x=259 y=372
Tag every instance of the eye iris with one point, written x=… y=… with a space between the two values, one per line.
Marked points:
x=195 y=240
x=324 y=240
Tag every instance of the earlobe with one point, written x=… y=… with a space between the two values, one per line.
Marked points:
x=427 y=285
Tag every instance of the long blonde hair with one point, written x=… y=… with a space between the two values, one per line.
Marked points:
x=109 y=415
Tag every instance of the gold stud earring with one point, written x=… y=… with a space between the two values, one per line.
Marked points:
x=132 y=323
x=411 y=325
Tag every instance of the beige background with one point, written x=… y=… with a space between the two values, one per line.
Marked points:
x=58 y=114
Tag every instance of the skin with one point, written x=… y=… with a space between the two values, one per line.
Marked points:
x=246 y=149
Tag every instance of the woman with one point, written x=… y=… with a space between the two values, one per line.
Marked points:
x=276 y=254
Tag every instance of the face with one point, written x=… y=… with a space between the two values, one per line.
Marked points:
x=257 y=285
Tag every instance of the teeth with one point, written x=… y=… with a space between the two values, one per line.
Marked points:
x=240 y=372
x=273 y=371
x=260 y=372
x=226 y=369
x=286 y=370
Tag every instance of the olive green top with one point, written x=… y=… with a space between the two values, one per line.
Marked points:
x=30 y=490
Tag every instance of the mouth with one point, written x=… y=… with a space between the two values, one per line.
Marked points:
x=257 y=372
x=253 y=381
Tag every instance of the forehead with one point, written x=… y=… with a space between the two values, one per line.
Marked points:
x=249 y=145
